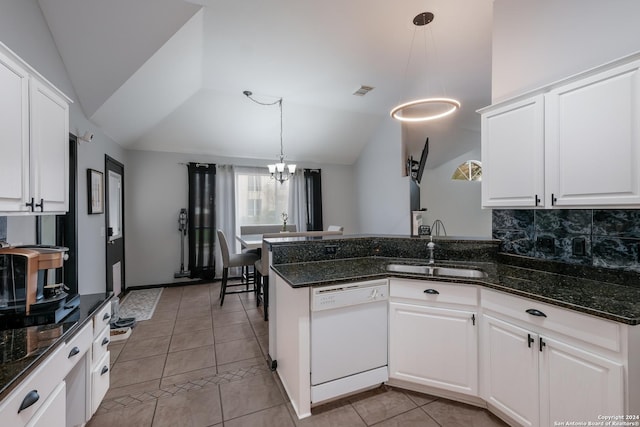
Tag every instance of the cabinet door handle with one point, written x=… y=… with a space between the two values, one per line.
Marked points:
x=431 y=292
x=554 y=200
x=41 y=205
x=31 y=398
x=106 y=316
x=534 y=312
x=73 y=352
x=542 y=343
x=105 y=341
x=104 y=370
x=473 y=319
x=537 y=199
x=530 y=340
x=30 y=204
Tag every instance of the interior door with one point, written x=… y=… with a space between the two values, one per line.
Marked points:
x=114 y=219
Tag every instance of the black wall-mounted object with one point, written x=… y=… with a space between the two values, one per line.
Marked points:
x=416 y=169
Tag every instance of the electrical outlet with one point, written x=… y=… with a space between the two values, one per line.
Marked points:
x=578 y=246
x=330 y=249
x=546 y=244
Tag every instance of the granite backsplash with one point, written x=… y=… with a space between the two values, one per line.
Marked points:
x=588 y=237
x=447 y=248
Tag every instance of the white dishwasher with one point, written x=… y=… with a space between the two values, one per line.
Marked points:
x=348 y=338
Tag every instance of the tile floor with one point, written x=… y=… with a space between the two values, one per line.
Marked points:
x=195 y=363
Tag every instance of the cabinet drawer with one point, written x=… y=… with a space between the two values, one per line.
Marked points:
x=35 y=388
x=101 y=319
x=52 y=413
x=100 y=344
x=99 y=382
x=431 y=291
x=599 y=332
x=76 y=347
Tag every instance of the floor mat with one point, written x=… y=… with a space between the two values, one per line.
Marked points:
x=140 y=304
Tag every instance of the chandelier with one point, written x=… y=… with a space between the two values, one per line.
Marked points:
x=276 y=170
x=425 y=109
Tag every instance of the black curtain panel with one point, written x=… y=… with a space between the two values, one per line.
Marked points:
x=313 y=190
x=202 y=233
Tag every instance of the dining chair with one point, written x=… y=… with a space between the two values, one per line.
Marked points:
x=234 y=260
x=248 y=229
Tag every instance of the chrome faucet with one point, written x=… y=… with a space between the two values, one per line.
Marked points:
x=431 y=247
x=437 y=225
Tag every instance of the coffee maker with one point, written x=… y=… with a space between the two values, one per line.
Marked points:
x=26 y=295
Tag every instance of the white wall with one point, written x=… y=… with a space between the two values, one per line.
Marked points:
x=339 y=197
x=24 y=30
x=539 y=42
x=381 y=190
x=455 y=203
x=156 y=187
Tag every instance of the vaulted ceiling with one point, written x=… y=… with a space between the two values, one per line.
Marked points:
x=168 y=75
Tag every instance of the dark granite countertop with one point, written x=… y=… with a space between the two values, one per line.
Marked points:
x=584 y=294
x=23 y=349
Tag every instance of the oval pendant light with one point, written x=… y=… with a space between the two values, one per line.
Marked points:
x=424 y=109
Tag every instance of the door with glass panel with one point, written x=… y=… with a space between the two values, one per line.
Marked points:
x=114 y=224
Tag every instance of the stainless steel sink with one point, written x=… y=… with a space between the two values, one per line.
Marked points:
x=436 y=271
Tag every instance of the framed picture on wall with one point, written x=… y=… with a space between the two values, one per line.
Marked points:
x=95 y=186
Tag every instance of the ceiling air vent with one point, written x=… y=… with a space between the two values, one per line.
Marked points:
x=363 y=90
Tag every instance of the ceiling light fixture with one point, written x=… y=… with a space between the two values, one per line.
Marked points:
x=277 y=169
x=425 y=109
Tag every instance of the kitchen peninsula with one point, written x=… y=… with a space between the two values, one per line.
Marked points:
x=512 y=341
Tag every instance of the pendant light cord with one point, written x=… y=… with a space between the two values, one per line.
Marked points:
x=406 y=67
x=436 y=59
x=248 y=94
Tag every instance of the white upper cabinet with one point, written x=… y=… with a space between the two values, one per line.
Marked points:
x=34 y=140
x=592 y=140
x=575 y=143
x=49 y=148
x=14 y=135
x=513 y=154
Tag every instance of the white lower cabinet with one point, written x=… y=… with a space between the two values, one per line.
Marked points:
x=576 y=384
x=432 y=341
x=52 y=413
x=537 y=376
x=99 y=382
x=34 y=398
x=510 y=374
x=100 y=359
x=68 y=386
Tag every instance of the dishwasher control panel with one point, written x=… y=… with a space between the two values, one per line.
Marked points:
x=330 y=297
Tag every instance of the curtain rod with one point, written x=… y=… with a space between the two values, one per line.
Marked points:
x=197 y=164
x=219 y=164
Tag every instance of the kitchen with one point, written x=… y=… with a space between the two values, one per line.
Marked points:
x=356 y=205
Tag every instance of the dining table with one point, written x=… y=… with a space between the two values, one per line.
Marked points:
x=250 y=241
